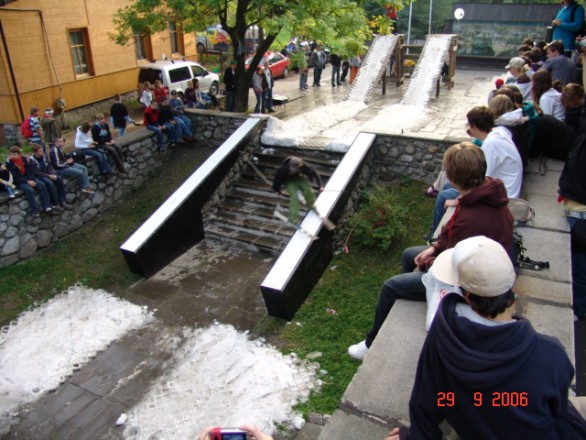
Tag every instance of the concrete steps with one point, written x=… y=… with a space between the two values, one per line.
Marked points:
x=247 y=213
x=377 y=399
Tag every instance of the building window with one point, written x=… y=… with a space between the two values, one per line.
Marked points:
x=80 y=52
x=176 y=33
x=142 y=45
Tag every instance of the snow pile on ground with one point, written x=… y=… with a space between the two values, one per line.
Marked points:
x=44 y=346
x=220 y=377
x=309 y=124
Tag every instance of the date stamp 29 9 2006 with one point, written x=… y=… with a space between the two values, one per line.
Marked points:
x=493 y=399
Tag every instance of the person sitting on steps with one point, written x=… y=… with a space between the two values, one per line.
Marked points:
x=482 y=211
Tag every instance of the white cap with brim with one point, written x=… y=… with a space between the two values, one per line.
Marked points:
x=478 y=265
x=515 y=62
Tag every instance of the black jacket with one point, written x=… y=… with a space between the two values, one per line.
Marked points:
x=230 y=79
x=504 y=382
x=572 y=183
x=101 y=133
x=284 y=173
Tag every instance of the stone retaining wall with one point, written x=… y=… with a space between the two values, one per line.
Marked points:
x=398 y=157
x=22 y=235
x=392 y=158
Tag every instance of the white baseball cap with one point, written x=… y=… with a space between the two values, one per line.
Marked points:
x=478 y=265
x=515 y=62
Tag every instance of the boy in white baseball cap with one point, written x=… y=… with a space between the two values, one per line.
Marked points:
x=485 y=371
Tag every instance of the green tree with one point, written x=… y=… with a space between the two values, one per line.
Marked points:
x=337 y=23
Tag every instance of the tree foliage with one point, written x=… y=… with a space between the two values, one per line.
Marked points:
x=340 y=24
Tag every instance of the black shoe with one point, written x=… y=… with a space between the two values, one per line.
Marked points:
x=271 y=110
x=66 y=206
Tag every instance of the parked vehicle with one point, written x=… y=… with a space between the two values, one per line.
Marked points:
x=213 y=39
x=174 y=75
x=278 y=64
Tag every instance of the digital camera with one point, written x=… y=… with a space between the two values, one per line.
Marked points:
x=228 y=434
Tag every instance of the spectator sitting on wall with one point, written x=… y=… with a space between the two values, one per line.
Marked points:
x=44 y=172
x=204 y=99
x=561 y=67
x=65 y=166
x=103 y=138
x=86 y=145
x=25 y=180
x=49 y=125
x=159 y=92
x=189 y=95
x=7 y=181
x=153 y=121
x=146 y=97
x=177 y=109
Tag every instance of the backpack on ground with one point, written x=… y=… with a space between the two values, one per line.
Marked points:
x=25 y=128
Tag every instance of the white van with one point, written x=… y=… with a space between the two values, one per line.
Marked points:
x=174 y=75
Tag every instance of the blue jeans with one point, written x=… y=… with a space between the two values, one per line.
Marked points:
x=335 y=75
x=303 y=80
x=169 y=128
x=267 y=99
x=183 y=126
x=258 y=101
x=406 y=285
x=99 y=156
x=578 y=277
x=317 y=75
x=55 y=188
x=230 y=100
x=29 y=192
x=76 y=170
x=448 y=193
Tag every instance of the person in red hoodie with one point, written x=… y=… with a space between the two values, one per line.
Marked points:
x=153 y=121
x=24 y=178
x=159 y=92
x=482 y=210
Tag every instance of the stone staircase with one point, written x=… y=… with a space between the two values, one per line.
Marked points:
x=246 y=214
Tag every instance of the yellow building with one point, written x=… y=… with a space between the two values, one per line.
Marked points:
x=59 y=51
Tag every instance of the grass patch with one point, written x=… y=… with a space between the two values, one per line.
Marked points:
x=91 y=256
x=351 y=287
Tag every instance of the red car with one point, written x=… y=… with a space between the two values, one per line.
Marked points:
x=278 y=64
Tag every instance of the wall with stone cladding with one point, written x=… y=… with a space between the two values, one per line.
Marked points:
x=397 y=157
x=22 y=235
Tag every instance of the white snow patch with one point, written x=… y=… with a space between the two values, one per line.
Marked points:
x=44 y=346
x=309 y=124
x=221 y=377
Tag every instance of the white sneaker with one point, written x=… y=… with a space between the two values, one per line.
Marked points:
x=358 y=351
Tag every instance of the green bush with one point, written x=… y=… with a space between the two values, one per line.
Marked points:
x=381 y=218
